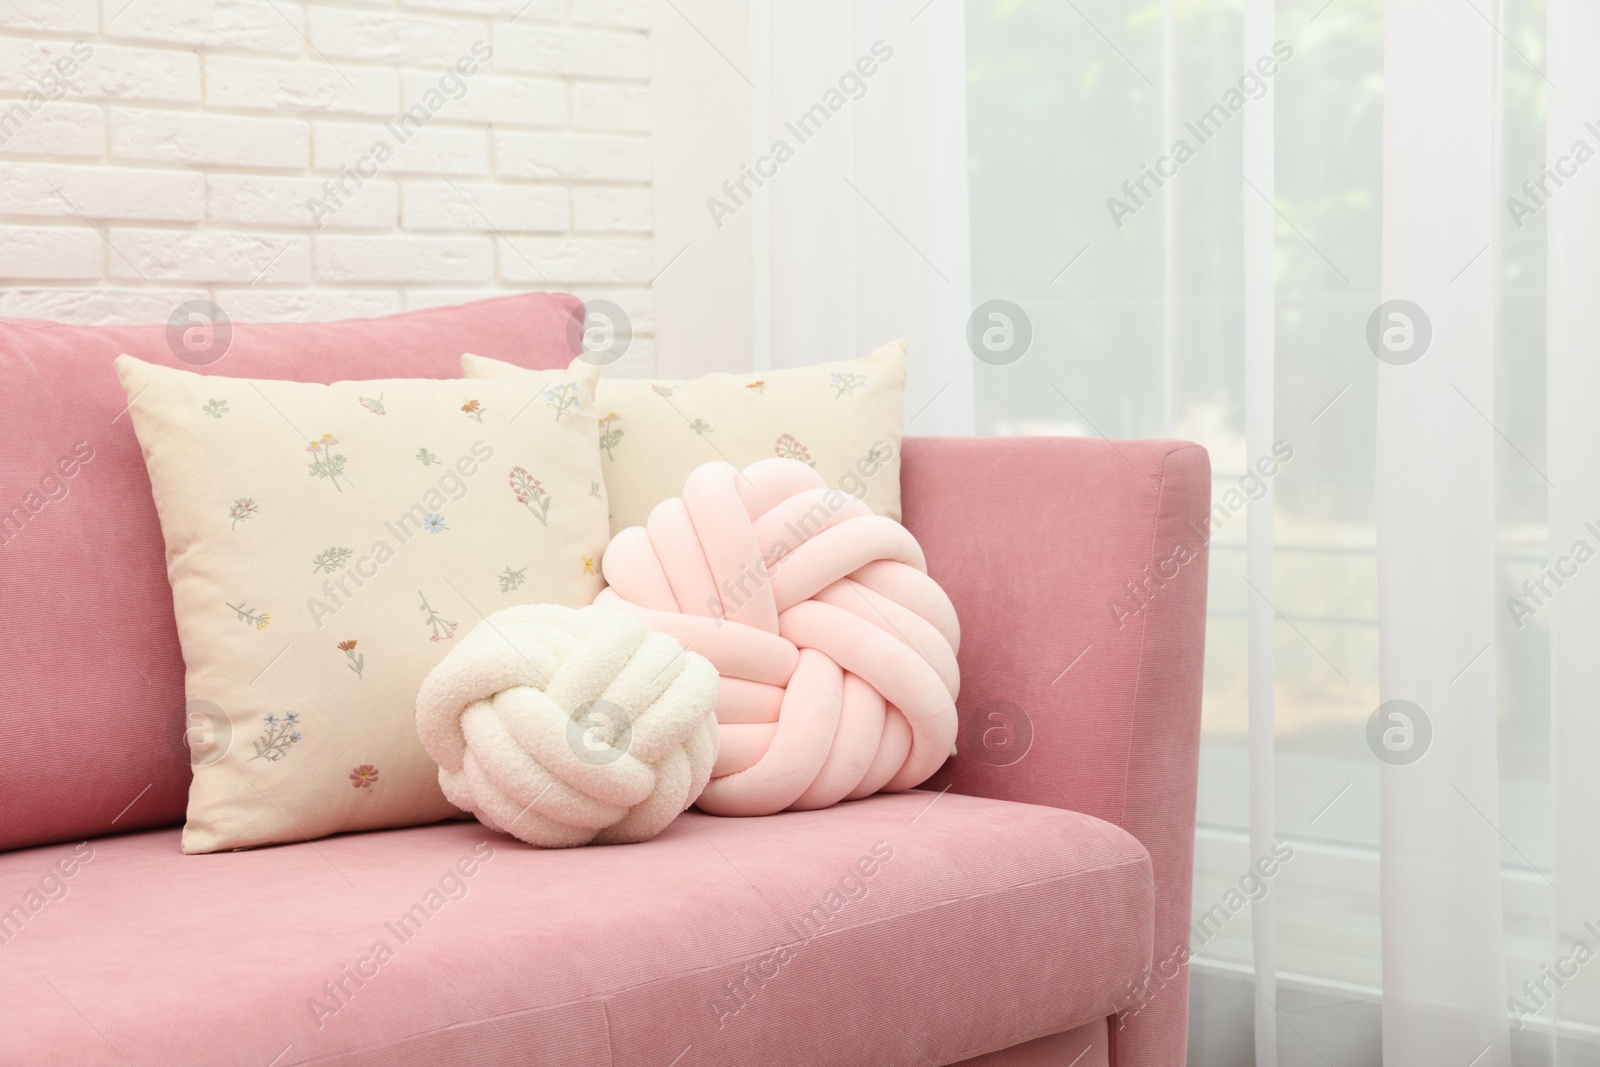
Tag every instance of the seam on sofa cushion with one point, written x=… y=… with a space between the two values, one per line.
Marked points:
x=975 y=1053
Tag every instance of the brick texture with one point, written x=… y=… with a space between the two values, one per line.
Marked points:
x=318 y=159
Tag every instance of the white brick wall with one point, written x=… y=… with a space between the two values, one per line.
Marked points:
x=192 y=134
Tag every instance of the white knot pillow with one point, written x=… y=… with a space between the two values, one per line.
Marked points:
x=566 y=726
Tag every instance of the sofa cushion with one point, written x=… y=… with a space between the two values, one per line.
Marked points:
x=900 y=929
x=91 y=700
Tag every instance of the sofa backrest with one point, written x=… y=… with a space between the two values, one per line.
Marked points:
x=92 y=723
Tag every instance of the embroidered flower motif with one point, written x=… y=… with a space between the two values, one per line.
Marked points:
x=789 y=447
x=243 y=508
x=358 y=660
x=588 y=564
x=610 y=434
x=443 y=629
x=259 y=619
x=512 y=579
x=435 y=523
x=279 y=735
x=326 y=464
x=426 y=458
x=473 y=410
x=215 y=408
x=374 y=406
x=757 y=386
x=330 y=559
x=563 y=397
x=363 y=776
x=700 y=426
x=845 y=383
x=530 y=494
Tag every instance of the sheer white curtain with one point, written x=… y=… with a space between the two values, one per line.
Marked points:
x=1573 y=29
x=1258 y=181
x=1444 y=975
x=1385 y=255
x=1377 y=265
x=866 y=236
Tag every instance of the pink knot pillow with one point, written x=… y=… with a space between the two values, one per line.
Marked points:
x=837 y=651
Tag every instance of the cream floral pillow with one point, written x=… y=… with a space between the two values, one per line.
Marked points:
x=843 y=418
x=326 y=545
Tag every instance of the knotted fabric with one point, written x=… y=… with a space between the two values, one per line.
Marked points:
x=837 y=651
x=562 y=726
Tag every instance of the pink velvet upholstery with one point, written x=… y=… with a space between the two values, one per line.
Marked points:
x=91 y=695
x=1008 y=934
x=902 y=929
x=1078 y=569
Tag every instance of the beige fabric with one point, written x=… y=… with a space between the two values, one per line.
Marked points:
x=327 y=545
x=843 y=418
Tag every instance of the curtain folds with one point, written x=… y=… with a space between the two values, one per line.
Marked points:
x=869 y=230
x=1345 y=288
x=1573 y=399
x=1257 y=190
x=1443 y=946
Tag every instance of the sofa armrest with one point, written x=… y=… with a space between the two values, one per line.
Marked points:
x=1078 y=570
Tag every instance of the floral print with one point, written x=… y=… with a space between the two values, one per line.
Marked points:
x=610 y=433
x=700 y=426
x=443 y=629
x=594 y=490
x=374 y=406
x=757 y=386
x=363 y=776
x=845 y=383
x=530 y=494
x=473 y=410
x=435 y=523
x=326 y=464
x=215 y=408
x=426 y=458
x=588 y=564
x=512 y=579
x=259 y=619
x=662 y=390
x=358 y=660
x=563 y=397
x=330 y=559
x=280 y=734
x=244 y=507
x=790 y=448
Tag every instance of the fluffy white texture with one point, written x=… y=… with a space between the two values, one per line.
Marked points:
x=566 y=726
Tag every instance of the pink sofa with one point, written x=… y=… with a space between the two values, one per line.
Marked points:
x=1028 y=906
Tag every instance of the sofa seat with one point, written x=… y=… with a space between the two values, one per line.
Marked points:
x=919 y=928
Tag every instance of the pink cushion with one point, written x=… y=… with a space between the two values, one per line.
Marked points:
x=978 y=925
x=91 y=697
x=837 y=651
